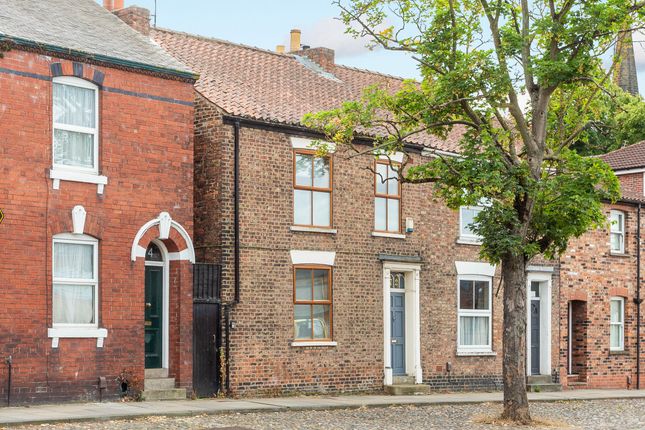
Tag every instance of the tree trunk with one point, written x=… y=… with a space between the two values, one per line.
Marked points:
x=516 y=405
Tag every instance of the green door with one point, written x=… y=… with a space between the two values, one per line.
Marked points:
x=153 y=316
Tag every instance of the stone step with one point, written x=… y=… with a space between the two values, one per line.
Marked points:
x=407 y=389
x=539 y=379
x=171 y=394
x=403 y=380
x=159 y=384
x=541 y=388
x=155 y=373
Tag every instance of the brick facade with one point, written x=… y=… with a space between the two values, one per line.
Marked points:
x=263 y=360
x=146 y=152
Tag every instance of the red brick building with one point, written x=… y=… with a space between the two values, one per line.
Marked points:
x=96 y=185
x=335 y=279
x=600 y=290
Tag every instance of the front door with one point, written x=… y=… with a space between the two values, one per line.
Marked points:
x=397 y=333
x=154 y=316
x=535 y=328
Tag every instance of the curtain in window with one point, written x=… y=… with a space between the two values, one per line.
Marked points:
x=73 y=304
x=74 y=106
x=473 y=330
x=73 y=149
x=73 y=261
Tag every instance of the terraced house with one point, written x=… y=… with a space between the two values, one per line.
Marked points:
x=96 y=163
x=335 y=276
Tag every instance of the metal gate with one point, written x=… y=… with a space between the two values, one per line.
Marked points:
x=206 y=328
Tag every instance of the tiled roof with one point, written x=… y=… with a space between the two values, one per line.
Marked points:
x=83 y=26
x=280 y=88
x=629 y=157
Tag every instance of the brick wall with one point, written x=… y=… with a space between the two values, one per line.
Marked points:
x=146 y=151
x=262 y=361
x=590 y=276
x=632 y=182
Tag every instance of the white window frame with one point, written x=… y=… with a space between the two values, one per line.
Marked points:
x=467 y=237
x=81 y=83
x=78 y=240
x=617 y=228
x=475 y=349
x=621 y=324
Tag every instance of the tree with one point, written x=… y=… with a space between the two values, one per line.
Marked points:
x=476 y=59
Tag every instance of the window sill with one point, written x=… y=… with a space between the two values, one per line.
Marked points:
x=314 y=343
x=467 y=241
x=313 y=229
x=77 y=333
x=476 y=353
x=68 y=175
x=390 y=235
x=618 y=254
x=619 y=352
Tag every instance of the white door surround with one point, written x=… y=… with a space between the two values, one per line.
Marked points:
x=165 y=328
x=412 y=323
x=543 y=276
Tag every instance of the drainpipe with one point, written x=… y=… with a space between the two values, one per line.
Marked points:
x=236 y=250
x=9 y=362
x=638 y=299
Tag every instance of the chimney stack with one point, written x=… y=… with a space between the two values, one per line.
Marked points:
x=295 y=40
x=113 y=5
x=136 y=17
x=625 y=75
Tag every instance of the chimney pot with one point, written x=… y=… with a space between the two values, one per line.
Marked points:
x=280 y=49
x=113 y=5
x=295 y=40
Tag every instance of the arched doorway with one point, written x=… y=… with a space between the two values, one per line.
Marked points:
x=156 y=306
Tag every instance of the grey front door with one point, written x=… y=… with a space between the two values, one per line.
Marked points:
x=397 y=333
x=535 y=337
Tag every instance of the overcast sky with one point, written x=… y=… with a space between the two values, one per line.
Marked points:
x=266 y=23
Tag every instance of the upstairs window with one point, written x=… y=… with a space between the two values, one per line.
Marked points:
x=312 y=190
x=75 y=125
x=387 y=198
x=467 y=216
x=617 y=324
x=75 y=281
x=617 y=231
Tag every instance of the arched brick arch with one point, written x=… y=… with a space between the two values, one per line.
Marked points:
x=169 y=231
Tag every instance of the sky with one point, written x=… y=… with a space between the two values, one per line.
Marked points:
x=267 y=23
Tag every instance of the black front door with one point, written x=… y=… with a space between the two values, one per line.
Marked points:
x=153 y=316
x=535 y=337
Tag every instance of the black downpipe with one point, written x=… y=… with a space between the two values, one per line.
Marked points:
x=9 y=363
x=236 y=250
x=638 y=299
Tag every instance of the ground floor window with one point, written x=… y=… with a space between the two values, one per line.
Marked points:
x=617 y=324
x=75 y=281
x=312 y=303
x=474 y=310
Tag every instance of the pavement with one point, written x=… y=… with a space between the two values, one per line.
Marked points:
x=70 y=412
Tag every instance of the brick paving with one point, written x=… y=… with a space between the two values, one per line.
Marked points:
x=623 y=414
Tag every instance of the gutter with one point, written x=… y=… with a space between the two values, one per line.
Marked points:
x=30 y=44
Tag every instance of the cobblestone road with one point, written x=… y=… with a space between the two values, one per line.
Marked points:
x=588 y=415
